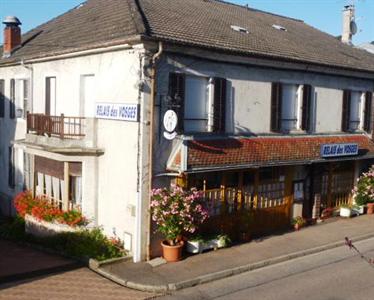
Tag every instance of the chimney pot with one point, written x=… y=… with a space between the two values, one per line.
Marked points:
x=12 y=35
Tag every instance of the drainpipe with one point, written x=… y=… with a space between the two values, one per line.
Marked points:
x=155 y=58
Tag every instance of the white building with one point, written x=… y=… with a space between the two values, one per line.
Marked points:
x=257 y=96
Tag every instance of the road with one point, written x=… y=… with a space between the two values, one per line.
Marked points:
x=338 y=274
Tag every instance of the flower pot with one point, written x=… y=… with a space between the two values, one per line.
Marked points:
x=370 y=209
x=297 y=227
x=345 y=212
x=172 y=253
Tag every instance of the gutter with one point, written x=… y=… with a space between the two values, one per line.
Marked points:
x=274 y=164
x=118 y=45
x=155 y=58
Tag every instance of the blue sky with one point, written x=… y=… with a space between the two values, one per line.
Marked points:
x=322 y=14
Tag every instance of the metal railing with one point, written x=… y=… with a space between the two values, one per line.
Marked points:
x=59 y=126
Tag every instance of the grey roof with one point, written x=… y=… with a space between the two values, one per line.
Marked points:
x=201 y=23
x=368 y=47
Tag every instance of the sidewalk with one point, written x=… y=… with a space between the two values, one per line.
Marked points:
x=202 y=268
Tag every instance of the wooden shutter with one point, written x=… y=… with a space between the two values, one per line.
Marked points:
x=2 y=98
x=368 y=111
x=346 y=110
x=219 y=112
x=176 y=95
x=276 y=106
x=48 y=96
x=306 y=107
x=12 y=102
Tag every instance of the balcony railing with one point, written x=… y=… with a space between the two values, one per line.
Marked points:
x=58 y=126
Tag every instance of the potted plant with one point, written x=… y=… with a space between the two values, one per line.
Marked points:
x=346 y=210
x=363 y=192
x=298 y=222
x=176 y=211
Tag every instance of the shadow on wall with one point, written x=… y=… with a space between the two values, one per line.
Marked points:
x=12 y=119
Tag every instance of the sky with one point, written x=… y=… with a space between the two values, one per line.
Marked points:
x=325 y=15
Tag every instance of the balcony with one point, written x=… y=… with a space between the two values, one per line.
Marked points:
x=62 y=133
x=56 y=126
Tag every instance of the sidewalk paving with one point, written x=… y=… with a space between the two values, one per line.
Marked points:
x=213 y=265
x=30 y=274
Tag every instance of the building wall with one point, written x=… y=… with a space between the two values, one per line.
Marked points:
x=110 y=181
x=248 y=110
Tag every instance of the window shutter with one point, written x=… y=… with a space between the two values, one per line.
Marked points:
x=176 y=96
x=219 y=113
x=12 y=102
x=276 y=106
x=368 y=111
x=306 y=107
x=2 y=98
x=346 y=110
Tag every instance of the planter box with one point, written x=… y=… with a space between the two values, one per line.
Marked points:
x=199 y=247
x=45 y=229
x=345 y=212
x=360 y=210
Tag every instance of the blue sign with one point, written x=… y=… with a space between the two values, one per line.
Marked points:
x=336 y=150
x=117 y=111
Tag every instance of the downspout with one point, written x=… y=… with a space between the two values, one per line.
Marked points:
x=155 y=58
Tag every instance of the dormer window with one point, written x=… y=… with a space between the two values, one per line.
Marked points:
x=239 y=29
x=279 y=27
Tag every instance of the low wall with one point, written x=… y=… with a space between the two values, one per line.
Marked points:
x=45 y=229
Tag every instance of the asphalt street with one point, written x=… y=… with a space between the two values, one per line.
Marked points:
x=338 y=274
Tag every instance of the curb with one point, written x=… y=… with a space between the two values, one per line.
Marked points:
x=225 y=273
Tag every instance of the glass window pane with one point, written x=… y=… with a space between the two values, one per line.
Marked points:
x=196 y=102
x=289 y=106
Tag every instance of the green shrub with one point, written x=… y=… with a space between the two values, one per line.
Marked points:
x=81 y=244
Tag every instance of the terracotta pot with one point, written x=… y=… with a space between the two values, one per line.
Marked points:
x=172 y=253
x=297 y=227
x=370 y=209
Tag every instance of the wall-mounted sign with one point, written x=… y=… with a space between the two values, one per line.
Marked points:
x=335 y=150
x=170 y=124
x=117 y=111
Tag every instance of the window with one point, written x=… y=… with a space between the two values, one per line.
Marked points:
x=2 y=98
x=291 y=107
x=12 y=104
x=357 y=111
x=200 y=102
x=22 y=97
x=196 y=104
x=26 y=95
x=50 y=96
x=75 y=190
x=11 y=168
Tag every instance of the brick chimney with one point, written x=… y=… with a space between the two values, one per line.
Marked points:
x=12 y=35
